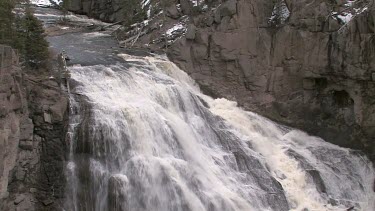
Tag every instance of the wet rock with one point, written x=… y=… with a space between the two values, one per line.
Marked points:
x=317 y=180
x=313 y=175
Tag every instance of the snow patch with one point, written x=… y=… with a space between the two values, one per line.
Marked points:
x=84 y=19
x=46 y=15
x=345 y=17
x=46 y=3
x=176 y=28
x=145 y=3
x=280 y=13
x=194 y=2
x=351 y=9
x=95 y=34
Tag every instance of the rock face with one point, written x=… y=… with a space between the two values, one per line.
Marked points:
x=31 y=148
x=308 y=69
x=16 y=129
x=309 y=64
x=102 y=9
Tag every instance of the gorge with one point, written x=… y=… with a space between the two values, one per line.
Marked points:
x=131 y=128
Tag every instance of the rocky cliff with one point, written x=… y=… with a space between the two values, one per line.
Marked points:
x=16 y=127
x=309 y=64
x=302 y=63
x=32 y=154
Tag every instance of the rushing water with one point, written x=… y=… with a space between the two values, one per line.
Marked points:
x=143 y=137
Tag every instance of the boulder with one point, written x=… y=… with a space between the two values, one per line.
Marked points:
x=190 y=33
x=228 y=8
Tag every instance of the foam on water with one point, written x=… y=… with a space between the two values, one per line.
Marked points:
x=143 y=137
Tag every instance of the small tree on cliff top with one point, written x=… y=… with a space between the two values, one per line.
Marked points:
x=36 y=47
x=6 y=21
x=133 y=12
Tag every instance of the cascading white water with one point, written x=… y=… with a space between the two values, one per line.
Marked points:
x=143 y=137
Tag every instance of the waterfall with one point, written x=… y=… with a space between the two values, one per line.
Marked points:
x=143 y=137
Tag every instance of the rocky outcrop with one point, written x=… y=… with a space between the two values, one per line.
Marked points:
x=32 y=148
x=308 y=69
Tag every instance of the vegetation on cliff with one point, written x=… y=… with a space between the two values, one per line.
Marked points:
x=36 y=47
x=7 y=23
x=24 y=32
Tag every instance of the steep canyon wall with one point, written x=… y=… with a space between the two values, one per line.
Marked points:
x=312 y=71
x=309 y=64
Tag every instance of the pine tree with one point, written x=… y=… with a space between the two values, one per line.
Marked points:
x=133 y=12
x=6 y=21
x=65 y=5
x=18 y=41
x=36 y=47
x=24 y=33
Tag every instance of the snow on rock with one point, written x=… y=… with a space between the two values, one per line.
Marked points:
x=351 y=8
x=85 y=20
x=91 y=35
x=280 y=13
x=145 y=3
x=194 y=2
x=345 y=17
x=175 y=29
x=46 y=3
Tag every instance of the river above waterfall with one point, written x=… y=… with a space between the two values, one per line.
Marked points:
x=143 y=137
